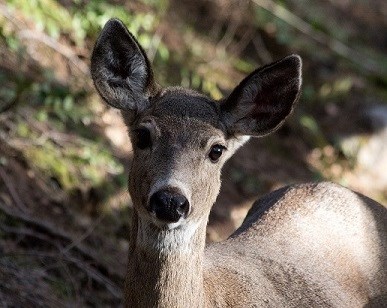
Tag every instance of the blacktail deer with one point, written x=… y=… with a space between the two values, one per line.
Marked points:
x=310 y=245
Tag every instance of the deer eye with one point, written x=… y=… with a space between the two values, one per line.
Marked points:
x=142 y=138
x=215 y=152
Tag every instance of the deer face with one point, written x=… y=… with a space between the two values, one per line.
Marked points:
x=180 y=145
x=181 y=138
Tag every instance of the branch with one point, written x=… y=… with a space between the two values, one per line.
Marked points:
x=22 y=32
x=12 y=191
x=55 y=45
x=320 y=37
x=73 y=243
x=86 y=234
x=83 y=266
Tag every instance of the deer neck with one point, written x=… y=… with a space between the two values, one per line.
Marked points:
x=165 y=267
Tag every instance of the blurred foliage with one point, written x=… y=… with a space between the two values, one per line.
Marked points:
x=83 y=19
x=50 y=40
x=66 y=105
x=51 y=115
x=73 y=167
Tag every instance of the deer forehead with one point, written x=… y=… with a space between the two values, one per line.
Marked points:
x=184 y=103
x=184 y=117
x=185 y=133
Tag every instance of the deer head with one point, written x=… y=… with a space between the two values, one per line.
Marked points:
x=181 y=138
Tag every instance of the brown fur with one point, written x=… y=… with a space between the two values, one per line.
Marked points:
x=311 y=245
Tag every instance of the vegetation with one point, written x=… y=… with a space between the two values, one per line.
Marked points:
x=64 y=209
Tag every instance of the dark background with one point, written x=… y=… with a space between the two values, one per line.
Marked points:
x=64 y=208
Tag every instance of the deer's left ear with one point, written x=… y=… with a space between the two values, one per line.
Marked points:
x=262 y=101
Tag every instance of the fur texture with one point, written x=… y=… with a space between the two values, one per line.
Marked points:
x=311 y=245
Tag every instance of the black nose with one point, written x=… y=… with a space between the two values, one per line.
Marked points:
x=169 y=205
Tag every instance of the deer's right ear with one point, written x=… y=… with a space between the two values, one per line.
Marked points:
x=120 y=69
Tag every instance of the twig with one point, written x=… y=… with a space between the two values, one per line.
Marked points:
x=155 y=42
x=76 y=288
x=28 y=232
x=55 y=45
x=46 y=132
x=261 y=49
x=94 y=274
x=43 y=38
x=23 y=284
x=54 y=231
x=84 y=235
x=12 y=191
x=229 y=35
x=243 y=42
x=17 y=22
x=320 y=37
x=43 y=271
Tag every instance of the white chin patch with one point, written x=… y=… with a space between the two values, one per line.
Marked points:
x=171 y=237
x=167 y=225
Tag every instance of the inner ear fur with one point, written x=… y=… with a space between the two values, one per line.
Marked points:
x=262 y=101
x=120 y=69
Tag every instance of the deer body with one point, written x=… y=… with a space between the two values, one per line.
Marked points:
x=298 y=247
x=311 y=245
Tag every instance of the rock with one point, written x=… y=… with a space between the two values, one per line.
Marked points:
x=369 y=150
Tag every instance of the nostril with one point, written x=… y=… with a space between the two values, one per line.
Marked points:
x=182 y=204
x=169 y=205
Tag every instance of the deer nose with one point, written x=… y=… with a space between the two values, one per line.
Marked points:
x=169 y=205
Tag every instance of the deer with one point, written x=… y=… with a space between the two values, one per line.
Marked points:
x=304 y=245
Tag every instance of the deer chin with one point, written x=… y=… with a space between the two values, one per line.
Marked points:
x=165 y=225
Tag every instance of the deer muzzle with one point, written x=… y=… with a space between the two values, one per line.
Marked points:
x=169 y=205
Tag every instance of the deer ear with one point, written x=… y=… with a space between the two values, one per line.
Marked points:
x=120 y=69
x=262 y=101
